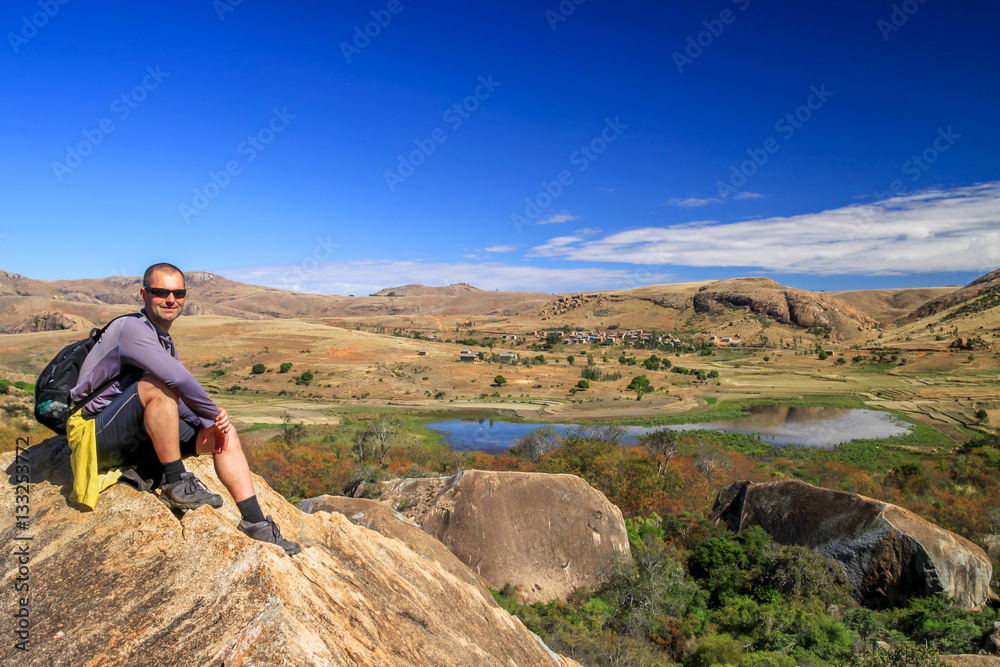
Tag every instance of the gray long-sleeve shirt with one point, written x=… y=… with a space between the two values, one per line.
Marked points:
x=130 y=348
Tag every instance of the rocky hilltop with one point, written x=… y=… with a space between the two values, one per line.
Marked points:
x=888 y=553
x=131 y=584
x=786 y=305
x=981 y=294
x=424 y=290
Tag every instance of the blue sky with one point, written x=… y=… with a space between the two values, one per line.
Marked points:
x=551 y=146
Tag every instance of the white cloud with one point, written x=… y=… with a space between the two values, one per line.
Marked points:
x=363 y=277
x=559 y=217
x=748 y=195
x=693 y=202
x=501 y=248
x=929 y=231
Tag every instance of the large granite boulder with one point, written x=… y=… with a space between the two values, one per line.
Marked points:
x=132 y=584
x=889 y=554
x=546 y=534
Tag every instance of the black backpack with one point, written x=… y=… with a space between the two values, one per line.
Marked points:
x=52 y=402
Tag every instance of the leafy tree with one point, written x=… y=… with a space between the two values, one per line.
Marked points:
x=591 y=372
x=258 y=369
x=652 y=364
x=306 y=377
x=499 y=380
x=285 y=367
x=647 y=588
x=899 y=655
x=982 y=415
x=640 y=385
x=570 y=359
x=554 y=338
x=583 y=384
x=823 y=356
x=713 y=374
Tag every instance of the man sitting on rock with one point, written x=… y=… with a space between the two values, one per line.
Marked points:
x=156 y=411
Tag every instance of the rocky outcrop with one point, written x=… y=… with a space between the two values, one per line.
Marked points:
x=888 y=553
x=425 y=290
x=786 y=305
x=376 y=516
x=50 y=321
x=985 y=289
x=131 y=584
x=546 y=534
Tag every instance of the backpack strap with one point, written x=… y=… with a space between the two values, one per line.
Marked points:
x=96 y=334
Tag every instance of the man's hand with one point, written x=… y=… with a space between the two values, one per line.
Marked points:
x=222 y=427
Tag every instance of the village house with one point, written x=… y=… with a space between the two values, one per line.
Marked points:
x=468 y=355
x=508 y=357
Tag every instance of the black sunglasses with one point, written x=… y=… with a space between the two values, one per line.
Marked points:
x=163 y=293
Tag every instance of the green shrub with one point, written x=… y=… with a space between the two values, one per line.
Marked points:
x=285 y=367
x=715 y=650
x=258 y=369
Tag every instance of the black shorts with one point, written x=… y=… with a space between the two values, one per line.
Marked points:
x=121 y=435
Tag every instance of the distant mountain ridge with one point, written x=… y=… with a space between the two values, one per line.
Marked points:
x=28 y=305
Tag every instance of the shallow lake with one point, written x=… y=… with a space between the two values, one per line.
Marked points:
x=812 y=426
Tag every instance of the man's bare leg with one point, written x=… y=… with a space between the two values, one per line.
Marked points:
x=160 y=418
x=230 y=465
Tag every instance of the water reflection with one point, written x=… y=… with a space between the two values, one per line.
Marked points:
x=812 y=426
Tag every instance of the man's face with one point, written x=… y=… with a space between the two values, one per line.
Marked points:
x=163 y=310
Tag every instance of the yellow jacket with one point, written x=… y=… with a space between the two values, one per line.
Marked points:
x=87 y=482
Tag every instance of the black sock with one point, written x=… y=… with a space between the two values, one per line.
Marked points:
x=173 y=471
x=250 y=510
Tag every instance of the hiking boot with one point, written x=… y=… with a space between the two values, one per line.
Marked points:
x=188 y=494
x=268 y=531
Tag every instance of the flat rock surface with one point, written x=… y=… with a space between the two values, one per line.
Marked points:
x=131 y=584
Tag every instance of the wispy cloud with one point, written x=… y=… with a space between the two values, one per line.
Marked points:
x=694 y=202
x=933 y=230
x=363 y=277
x=557 y=218
x=501 y=248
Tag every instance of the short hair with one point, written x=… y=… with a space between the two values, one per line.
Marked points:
x=162 y=266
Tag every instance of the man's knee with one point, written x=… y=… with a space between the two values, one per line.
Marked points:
x=157 y=398
x=153 y=389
